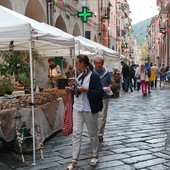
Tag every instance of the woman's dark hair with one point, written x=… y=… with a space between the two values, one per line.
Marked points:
x=85 y=60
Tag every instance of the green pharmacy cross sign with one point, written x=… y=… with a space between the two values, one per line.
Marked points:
x=84 y=14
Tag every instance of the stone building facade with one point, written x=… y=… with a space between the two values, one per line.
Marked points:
x=61 y=14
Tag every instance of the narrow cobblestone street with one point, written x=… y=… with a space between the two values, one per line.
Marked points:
x=136 y=137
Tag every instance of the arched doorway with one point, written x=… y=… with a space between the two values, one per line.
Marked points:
x=6 y=3
x=61 y=24
x=35 y=11
x=76 y=30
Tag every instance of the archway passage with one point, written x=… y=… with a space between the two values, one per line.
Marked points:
x=6 y=3
x=76 y=30
x=60 y=23
x=35 y=11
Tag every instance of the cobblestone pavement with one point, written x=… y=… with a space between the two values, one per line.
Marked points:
x=136 y=137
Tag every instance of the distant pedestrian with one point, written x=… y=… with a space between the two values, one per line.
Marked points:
x=162 y=73
x=88 y=93
x=157 y=72
x=148 y=69
x=137 y=76
x=167 y=68
x=126 y=76
x=168 y=76
x=107 y=84
x=152 y=76
x=132 y=75
x=142 y=73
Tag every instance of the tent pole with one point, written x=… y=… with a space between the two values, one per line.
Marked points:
x=76 y=52
x=32 y=100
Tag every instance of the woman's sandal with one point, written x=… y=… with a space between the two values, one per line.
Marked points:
x=94 y=161
x=73 y=165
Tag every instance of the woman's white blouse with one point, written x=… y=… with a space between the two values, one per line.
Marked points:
x=81 y=103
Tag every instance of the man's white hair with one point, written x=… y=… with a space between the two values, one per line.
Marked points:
x=99 y=57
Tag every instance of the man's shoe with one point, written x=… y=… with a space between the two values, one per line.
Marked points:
x=100 y=138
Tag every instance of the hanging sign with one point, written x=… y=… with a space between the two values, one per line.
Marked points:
x=84 y=14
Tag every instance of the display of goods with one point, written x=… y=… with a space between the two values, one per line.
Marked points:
x=24 y=100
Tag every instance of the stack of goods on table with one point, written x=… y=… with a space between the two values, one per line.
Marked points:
x=24 y=100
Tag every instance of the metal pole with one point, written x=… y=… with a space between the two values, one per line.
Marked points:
x=32 y=101
x=167 y=43
x=76 y=52
x=83 y=29
x=49 y=13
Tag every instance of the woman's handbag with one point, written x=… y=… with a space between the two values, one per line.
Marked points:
x=67 y=123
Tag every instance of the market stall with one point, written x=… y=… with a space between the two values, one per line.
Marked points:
x=22 y=33
x=48 y=118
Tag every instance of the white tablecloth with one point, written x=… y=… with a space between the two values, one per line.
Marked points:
x=48 y=119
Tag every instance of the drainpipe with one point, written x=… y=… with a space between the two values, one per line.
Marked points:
x=99 y=24
x=49 y=16
x=167 y=43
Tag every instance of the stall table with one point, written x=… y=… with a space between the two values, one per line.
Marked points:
x=48 y=119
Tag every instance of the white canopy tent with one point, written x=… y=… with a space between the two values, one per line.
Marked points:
x=13 y=29
x=45 y=38
x=25 y=34
x=101 y=49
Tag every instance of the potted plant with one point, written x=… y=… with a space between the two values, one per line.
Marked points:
x=6 y=86
x=17 y=63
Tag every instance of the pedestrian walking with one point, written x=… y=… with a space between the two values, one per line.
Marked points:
x=132 y=75
x=137 y=76
x=88 y=93
x=107 y=84
x=162 y=73
x=142 y=73
x=152 y=76
x=157 y=72
x=126 y=76
x=148 y=70
x=168 y=76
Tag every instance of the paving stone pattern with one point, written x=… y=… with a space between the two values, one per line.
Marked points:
x=137 y=136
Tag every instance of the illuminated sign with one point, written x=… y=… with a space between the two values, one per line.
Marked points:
x=84 y=14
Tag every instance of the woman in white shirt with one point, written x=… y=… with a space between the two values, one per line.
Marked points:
x=142 y=73
x=88 y=93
